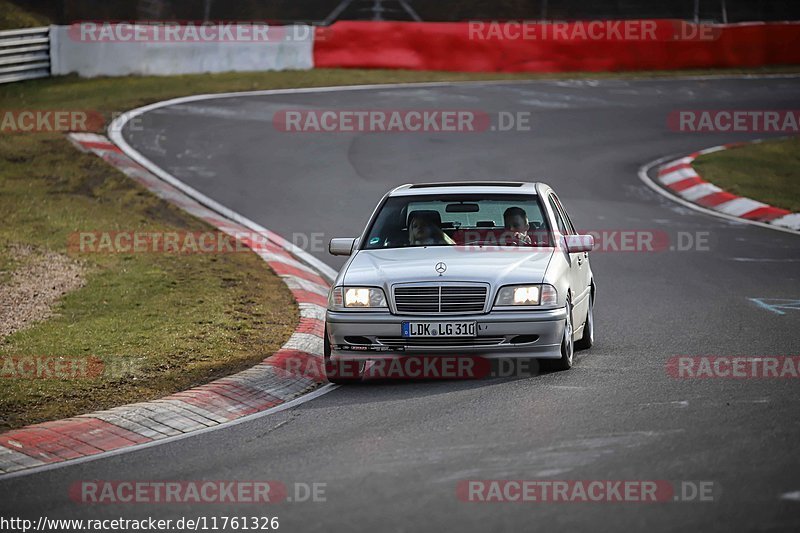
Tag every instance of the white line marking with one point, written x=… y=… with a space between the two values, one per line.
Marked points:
x=680 y=404
x=774 y=305
x=712 y=150
x=764 y=260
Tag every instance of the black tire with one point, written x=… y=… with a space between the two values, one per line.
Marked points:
x=587 y=340
x=340 y=372
x=567 y=345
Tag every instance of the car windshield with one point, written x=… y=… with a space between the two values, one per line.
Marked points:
x=452 y=220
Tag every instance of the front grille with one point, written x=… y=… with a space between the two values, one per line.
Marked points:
x=440 y=299
x=460 y=342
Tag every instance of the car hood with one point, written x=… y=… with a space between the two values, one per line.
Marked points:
x=494 y=265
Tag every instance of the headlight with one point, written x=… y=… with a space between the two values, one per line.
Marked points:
x=356 y=298
x=526 y=295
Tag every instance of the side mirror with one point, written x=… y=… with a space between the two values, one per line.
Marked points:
x=342 y=246
x=579 y=243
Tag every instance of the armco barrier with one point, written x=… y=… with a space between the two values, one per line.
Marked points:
x=449 y=47
x=24 y=54
x=88 y=58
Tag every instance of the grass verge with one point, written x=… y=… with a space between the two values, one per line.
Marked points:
x=767 y=171
x=159 y=322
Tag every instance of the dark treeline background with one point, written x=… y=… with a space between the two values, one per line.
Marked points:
x=65 y=11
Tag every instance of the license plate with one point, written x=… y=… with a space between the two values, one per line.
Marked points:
x=438 y=329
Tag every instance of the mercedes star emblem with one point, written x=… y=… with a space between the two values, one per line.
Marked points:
x=440 y=268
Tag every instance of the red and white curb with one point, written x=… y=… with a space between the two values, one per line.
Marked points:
x=683 y=181
x=295 y=369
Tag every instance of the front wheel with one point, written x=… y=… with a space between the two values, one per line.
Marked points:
x=340 y=372
x=567 y=344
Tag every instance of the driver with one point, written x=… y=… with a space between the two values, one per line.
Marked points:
x=423 y=230
x=515 y=220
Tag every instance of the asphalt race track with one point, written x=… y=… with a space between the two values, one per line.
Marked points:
x=392 y=453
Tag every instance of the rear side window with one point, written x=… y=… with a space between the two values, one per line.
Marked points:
x=564 y=214
x=562 y=225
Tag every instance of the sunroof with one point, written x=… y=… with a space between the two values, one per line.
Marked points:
x=468 y=184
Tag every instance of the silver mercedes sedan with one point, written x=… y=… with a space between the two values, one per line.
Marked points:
x=489 y=269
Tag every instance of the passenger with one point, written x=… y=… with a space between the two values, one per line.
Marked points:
x=424 y=230
x=515 y=220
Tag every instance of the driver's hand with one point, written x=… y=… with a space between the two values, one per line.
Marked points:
x=522 y=239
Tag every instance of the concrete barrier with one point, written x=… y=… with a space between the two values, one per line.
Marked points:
x=106 y=54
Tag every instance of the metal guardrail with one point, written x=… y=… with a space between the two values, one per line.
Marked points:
x=24 y=54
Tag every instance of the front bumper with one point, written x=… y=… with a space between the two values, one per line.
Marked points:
x=499 y=334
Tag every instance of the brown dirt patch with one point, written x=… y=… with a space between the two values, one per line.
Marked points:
x=40 y=279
